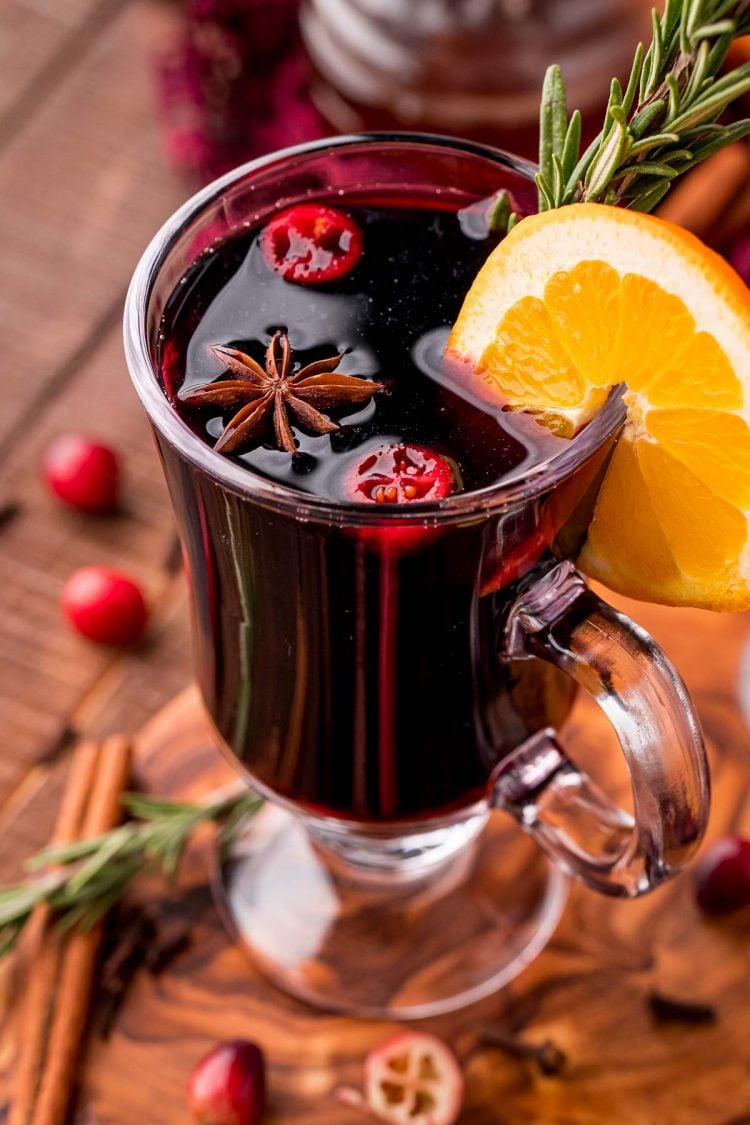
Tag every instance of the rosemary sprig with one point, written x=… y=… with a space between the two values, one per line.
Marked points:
x=82 y=880
x=663 y=123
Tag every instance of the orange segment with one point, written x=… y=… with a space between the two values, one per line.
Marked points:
x=577 y=301
x=658 y=329
x=530 y=363
x=714 y=444
x=705 y=534
x=704 y=378
x=584 y=306
x=637 y=543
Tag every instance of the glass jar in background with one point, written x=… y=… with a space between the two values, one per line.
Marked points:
x=470 y=68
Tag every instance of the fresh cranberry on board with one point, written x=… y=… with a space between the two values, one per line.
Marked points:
x=82 y=472
x=722 y=878
x=104 y=605
x=228 y=1086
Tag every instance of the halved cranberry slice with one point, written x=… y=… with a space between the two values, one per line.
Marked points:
x=311 y=244
x=401 y=474
x=414 y=1079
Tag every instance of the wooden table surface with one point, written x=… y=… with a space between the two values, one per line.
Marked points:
x=82 y=188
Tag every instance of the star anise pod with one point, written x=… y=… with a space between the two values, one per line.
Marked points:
x=275 y=393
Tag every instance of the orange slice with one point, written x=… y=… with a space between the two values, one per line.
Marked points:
x=576 y=301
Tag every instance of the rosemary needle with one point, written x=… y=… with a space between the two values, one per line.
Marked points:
x=91 y=875
x=662 y=124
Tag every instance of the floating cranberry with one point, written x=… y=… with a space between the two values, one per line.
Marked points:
x=400 y=474
x=311 y=244
x=82 y=472
x=414 y=1077
x=228 y=1086
x=104 y=605
x=723 y=876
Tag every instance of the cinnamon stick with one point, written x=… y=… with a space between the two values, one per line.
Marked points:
x=79 y=957
x=62 y=966
x=44 y=946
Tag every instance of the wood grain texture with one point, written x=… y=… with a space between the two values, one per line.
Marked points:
x=36 y=37
x=587 y=991
x=48 y=671
x=83 y=188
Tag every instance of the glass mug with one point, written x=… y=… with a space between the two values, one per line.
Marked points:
x=393 y=702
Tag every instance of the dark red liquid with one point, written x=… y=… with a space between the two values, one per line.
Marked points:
x=390 y=315
x=355 y=671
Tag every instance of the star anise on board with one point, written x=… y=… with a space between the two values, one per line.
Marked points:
x=275 y=394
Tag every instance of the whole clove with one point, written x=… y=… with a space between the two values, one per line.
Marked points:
x=547 y=1056
x=670 y=1010
x=136 y=939
x=8 y=512
x=61 y=741
x=130 y=935
x=172 y=561
x=167 y=948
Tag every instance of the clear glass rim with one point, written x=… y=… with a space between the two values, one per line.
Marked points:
x=242 y=480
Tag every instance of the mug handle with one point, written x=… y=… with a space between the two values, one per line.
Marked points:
x=560 y=620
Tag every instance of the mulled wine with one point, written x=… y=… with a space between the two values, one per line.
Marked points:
x=388 y=618
x=351 y=668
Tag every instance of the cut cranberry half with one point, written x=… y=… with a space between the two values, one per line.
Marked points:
x=723 y=876
x=401 y=474
x=414 y=1079
x=311 y=244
